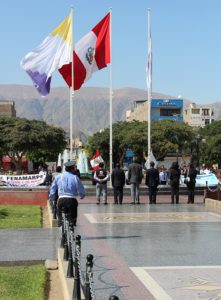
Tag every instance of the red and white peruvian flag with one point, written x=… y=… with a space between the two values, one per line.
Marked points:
x=95 y=160
x=91 y=54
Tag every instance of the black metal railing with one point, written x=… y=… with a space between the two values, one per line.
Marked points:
x=53 y=205
x=72 y=254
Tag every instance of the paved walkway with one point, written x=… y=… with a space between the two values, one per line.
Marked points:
x=28 y=244
x=160 y=251
x=141 y=252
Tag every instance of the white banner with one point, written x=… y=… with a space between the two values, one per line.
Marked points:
x=29 y=180
x=202 y=180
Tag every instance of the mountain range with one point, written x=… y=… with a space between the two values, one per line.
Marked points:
x=90 y=106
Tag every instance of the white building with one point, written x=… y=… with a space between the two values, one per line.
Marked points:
x=198 y=115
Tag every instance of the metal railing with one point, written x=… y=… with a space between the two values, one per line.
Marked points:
x=72 y=254
x=53 y=205
x=213 y=192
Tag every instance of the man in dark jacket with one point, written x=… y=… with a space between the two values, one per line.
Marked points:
x=190 y=177
x=175 y=181
x=135 y=176
x=118 y=182
x=152 y=181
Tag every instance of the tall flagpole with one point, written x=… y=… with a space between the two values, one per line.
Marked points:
x=149 y=87
x=72 y=86
x=111 y=95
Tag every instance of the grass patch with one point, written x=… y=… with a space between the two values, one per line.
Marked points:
x=20 y=216
x=23 y=282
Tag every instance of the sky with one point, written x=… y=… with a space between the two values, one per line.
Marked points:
x=186 y=42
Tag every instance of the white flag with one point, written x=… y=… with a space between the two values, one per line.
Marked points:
x=150 y=158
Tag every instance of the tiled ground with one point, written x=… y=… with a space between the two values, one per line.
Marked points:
x=158 y=251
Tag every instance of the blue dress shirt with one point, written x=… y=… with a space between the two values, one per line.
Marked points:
x=68 y=185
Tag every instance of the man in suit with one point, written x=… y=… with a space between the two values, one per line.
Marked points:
x=118 y=182
x=175 y=181
x=152 y=181
x=135 y=176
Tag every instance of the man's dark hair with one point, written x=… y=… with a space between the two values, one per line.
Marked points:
x=152 y=164
x=58 y=169
x=117 y=165
x=70 y=169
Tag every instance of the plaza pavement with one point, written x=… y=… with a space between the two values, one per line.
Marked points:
x=141 y=252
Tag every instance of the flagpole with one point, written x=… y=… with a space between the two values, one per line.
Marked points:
x=111 y=95
x=72 y=86
x=149 y=86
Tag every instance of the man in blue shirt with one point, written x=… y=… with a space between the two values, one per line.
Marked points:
x=68 y=186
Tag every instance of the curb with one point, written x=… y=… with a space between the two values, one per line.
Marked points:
x=53 y=222
x=67 y=283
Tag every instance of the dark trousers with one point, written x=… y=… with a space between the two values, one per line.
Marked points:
x=69 y=206
x=152 y=194
x=191 y=194
x=118 y=194
x=175 y=193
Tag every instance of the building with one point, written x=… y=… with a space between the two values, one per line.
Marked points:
x=161 y=109
x=198 y=115
x=7 y=108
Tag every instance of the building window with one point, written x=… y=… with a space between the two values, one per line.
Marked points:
x=207 y=121
x=205 y=112
x=169 y=112
x=195 y=111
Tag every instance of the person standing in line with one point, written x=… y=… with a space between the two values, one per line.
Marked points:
x=152 y=181
x=190 y=180
x=135 y=175
x=118 y=182
x=101 y=176
x=175 y=181
x=69 y=187
x=163 y=176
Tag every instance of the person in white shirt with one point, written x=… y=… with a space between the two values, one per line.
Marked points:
x=163 y=176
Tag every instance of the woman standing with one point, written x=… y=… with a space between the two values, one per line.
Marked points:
x=190 y=180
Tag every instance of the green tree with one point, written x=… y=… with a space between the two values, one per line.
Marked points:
x=169 y=136
x=211 y=148
x=166 y=136
x=34 y=139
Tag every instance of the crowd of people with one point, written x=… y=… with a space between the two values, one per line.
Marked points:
x=66 y=186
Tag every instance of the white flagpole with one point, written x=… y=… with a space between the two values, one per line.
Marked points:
x=110 y=96
x=149 y=86
x=72 y=87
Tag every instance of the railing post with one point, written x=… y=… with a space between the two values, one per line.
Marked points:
x=66 y=238
x=70 y=272
x=77 y=284
x=55 y=208
x=62 y=228
x=89 y=266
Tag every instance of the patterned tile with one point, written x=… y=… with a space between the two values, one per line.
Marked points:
x=153 y=217
x=182 y=282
